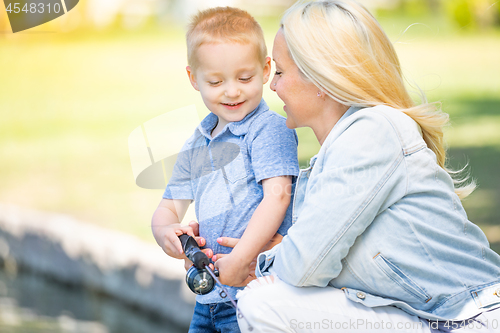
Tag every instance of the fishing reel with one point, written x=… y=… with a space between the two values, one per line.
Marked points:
x=198 y=278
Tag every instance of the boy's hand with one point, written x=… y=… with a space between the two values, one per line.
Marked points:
x=201 y=241
x=171 y=242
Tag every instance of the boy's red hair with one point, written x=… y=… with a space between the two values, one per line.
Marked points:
x=223 y=25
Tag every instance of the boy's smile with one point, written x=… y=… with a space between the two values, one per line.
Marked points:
x=230 y=78
x=232 y=106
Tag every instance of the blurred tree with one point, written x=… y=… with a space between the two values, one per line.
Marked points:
x=460 y=12
x=468 y=14
x=412 y=8
x=473 y=14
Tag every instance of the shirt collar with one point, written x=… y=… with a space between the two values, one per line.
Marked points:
x=237 y=128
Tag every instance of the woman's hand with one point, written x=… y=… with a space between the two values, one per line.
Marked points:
x=234 y=271
x=227 y=267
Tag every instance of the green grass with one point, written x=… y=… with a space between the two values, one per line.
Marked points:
x=69 y=101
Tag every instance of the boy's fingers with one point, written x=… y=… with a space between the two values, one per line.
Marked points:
x=228 y=241
x=208 y=252
x=196 y=227
x=196 y=231
x=174 y=238
x=176 y=242
x=200 y=241
x=184 y=230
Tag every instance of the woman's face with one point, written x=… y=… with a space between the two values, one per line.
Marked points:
x=299 y=95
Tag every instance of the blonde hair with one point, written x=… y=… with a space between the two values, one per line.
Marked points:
x=340 y=47
x=223 y=25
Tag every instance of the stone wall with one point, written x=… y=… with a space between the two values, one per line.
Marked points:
x=116 y=264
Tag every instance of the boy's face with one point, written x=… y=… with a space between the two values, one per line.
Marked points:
x=230 y=78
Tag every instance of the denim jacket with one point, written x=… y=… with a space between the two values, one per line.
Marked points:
x=375 y=215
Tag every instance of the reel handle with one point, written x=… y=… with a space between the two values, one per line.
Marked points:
x=193 y=252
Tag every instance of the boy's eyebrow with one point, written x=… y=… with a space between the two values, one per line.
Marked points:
x=244 y=69
x=248 y=69
x=212 y=73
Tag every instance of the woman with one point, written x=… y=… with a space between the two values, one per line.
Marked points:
x=380 y=235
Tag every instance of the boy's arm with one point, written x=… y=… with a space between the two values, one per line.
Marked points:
x=263 y=225
x=166 y=226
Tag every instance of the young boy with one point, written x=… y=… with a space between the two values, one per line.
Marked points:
x=237 y=166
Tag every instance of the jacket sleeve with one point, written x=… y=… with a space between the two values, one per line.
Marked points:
x=351 y=185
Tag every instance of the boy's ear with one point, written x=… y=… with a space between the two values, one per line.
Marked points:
x=267 y=70
x=192 y=78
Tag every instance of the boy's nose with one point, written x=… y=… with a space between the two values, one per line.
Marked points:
x=232 y=92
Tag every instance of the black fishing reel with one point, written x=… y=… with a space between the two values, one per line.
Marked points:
x=198 y=278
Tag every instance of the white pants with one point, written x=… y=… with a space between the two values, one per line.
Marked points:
x=279 y=307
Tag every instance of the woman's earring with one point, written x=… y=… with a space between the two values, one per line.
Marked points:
x=274 y=84
x=319 y=94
